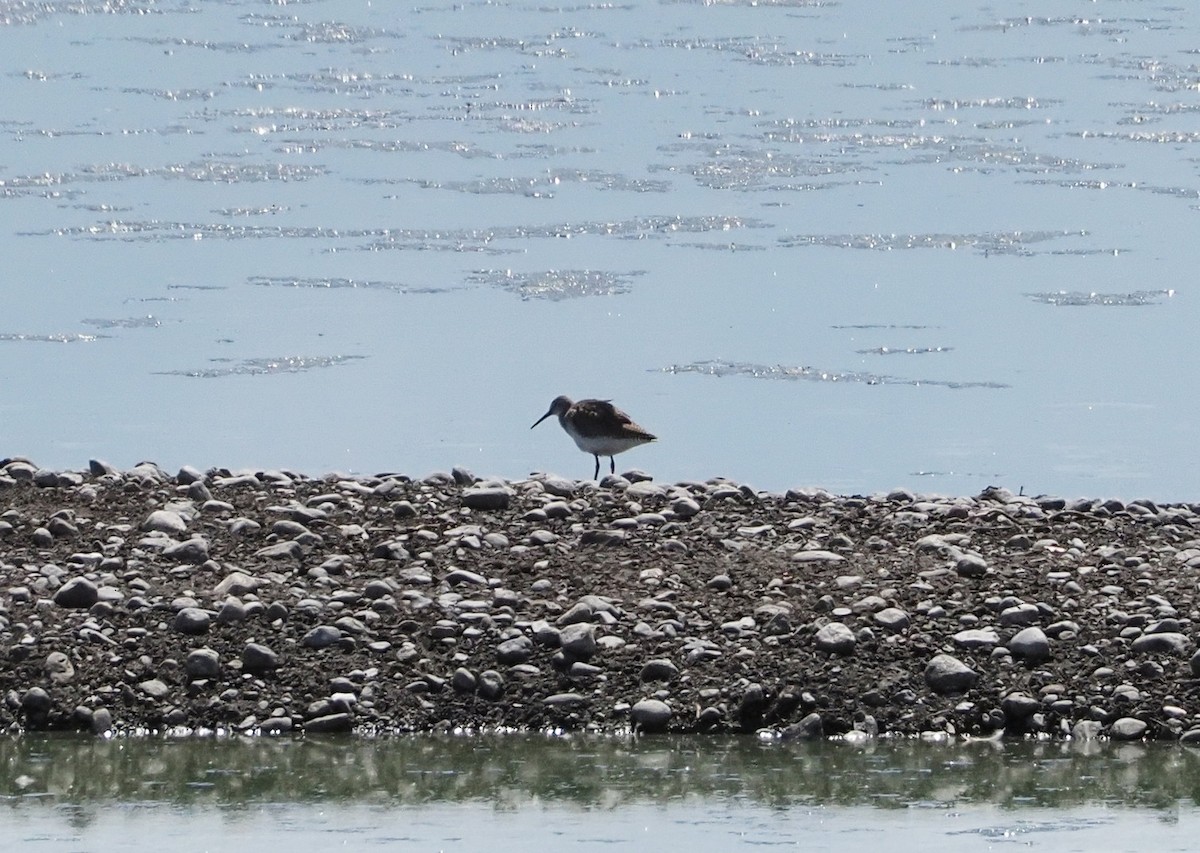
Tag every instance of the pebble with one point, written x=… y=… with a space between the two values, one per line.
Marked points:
x=514 y=651
x=165 y=521
x=59 y=668
x=1127 y=728
x=321 y=637
x=1164 y=643
x=810 y=727
x=578 y=641
x=330 y=724
x=259 y=659
x=77 y=594
x=1030 y=644
x=893 y=619
x=650 y=715
x=945 y=674
x=836 y=638
x=192 y=620
x=203 y=663
x=659 y=669
x=487 y=497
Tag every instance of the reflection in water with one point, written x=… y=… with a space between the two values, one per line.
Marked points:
x=518 y=771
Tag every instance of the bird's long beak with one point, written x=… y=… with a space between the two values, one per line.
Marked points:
x=542 y=418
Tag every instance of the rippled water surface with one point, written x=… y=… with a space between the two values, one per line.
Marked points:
x=336 y=235
x=520 y=794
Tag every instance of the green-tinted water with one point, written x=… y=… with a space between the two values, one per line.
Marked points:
x=531 y=793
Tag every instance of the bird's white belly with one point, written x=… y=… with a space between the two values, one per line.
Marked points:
x=605 y=445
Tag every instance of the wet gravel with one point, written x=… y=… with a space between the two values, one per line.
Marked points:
x=271 y=602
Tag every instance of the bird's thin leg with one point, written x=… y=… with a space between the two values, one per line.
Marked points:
x=612 y=465
x=596 y=473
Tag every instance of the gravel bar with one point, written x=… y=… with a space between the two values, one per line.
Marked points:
x=269 y=602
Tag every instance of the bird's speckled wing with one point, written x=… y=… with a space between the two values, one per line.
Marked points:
x=600 y=417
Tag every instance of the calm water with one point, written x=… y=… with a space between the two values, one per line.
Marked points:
x=581 y=794
x=939 y=245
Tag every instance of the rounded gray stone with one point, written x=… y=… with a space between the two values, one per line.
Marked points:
x=258 y=659
x=165 y=521
x=102 y=721
x=231 y=612
x=321 y=637
x=835 y=638
x=578 y=641
x=59 y=668
x=1030 y=644
x=1127 y=728
x=659 y=669
x=77 y=594
x=892 y=619
x=36 y=702
x=463 y=680
x=491 y=684
x=976 y=638
x=1019 y=706
x=155 y=688
x=236 y=583
x=193 y=551
x=203 y=663
x=946 y=674
x=514 y=651
x=487 y=497
x=684 y=507
x=650 y=715
x=811 y=727
x=971 y=566
x=1020 y=614
x=330 y=723
x=192 y=620
x=1165 y=643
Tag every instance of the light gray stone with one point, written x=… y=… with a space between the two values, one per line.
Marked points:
x=976 y=638
x=892 y=619
x=166 y=521
x=946 y=674
x=835 y=638
x=194 y=551
x=236 y=583
x=1020 y=614
x=155 y=688
x=578 y=641
x=650 y=715
x=59 y=668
